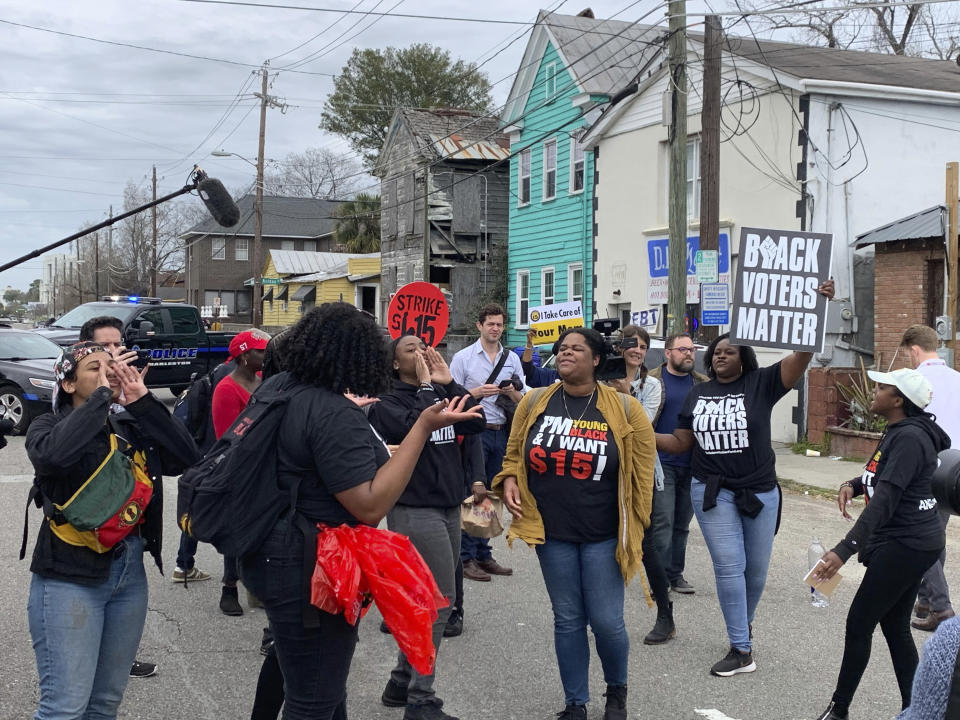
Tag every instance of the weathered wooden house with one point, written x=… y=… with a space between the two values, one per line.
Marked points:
x=456 y=160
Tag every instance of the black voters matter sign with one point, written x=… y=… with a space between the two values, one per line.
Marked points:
x=776 y=304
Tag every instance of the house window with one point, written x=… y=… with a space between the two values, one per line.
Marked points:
x=576 y=166
x=575 y=282
x=523 y=297
x=219 y=247
x=546 y=285
x=524 y=183
x=693 y=177
x=287 y=245
x=310 y=245
x=551 y=81
x=242 y=249
x=549 y=169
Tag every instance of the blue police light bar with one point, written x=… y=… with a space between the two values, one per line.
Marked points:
x=134 y=299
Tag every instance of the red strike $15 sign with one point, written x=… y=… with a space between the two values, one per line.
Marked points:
x=419 y=308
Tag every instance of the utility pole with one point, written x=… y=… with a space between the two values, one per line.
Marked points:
x=710 y=150
x=110 y=256
x=79 y=276
x=153 y=220
x=952 y=194
x=96 y=264
x=258 y=203
x=677 y=207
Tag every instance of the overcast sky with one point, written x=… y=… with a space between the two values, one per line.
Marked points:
x=81 y=118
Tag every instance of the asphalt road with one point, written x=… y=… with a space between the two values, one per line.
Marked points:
x=503 y=666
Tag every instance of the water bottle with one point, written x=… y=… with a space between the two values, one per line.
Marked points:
x=816 y=551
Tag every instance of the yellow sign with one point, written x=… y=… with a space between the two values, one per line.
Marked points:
x=549 y=321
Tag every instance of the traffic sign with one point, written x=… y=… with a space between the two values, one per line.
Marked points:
x=714 y=304
x=707 y=266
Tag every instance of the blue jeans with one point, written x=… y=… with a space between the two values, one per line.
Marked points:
x=585 y=585
x=85 y=637
x=315 y=661
x=670 y=520
x=740 y=548
x=494 y=448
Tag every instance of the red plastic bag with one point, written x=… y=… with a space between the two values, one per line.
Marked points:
x=353 y=562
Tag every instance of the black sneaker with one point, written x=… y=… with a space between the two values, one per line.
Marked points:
x=427 y=711
x=682 y=586
x=832 y=713
x=394 y=695
x=454 y=626
x=616 y=707
x=733 y=663
x=573 y=712
x=143 y=669
x=266 y=642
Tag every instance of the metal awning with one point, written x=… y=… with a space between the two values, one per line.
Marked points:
x=282 y=292
x=929 y=223
x=268 y=296
x=305 y=292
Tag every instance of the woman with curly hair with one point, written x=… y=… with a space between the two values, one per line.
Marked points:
x=734 y=490
x=339 y=471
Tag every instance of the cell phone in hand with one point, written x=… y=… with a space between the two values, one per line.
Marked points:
x=505 y=384
x=143 y=358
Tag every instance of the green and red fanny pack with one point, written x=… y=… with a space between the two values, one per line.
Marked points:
x=108 y=506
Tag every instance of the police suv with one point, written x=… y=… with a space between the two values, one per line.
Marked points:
x=172 y=336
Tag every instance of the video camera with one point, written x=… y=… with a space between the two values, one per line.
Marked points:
x=613 y=366
x=946 y=481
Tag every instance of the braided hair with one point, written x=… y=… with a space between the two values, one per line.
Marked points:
x=340 y=348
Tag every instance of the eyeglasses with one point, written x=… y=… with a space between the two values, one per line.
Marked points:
x=682 y=349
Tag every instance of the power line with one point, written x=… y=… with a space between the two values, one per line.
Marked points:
x=795 y=7
x=275 y=6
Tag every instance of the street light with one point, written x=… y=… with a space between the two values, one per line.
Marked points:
x=257 y=227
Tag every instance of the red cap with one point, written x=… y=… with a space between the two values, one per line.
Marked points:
x=248 y=340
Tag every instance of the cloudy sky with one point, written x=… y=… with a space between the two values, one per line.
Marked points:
x=81 y=118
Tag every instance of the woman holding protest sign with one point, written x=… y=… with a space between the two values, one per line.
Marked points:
x=343 y=474
x=578 y=480
x=428 y=511
x=736 y=498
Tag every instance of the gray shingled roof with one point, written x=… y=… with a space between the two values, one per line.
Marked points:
x=929 y=223
x=604 y=54
x=286 y=217
x=822 y=63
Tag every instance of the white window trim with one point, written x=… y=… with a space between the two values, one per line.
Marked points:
x=573 y=147
x=520 y=176
x=522 y=324
x=570 y=270
x=543 y=298
x=358 y=297
x=246 y=249
x=550 y=72
x=543 y=195
x=213 y=252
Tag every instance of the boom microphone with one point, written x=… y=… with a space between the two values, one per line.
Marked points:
x=218 y=202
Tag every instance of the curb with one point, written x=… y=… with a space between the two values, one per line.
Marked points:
x=799 y=488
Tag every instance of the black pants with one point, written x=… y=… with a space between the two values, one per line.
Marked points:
x=315 y=661
x=885 y=598
x=656 y=573
x=269 y=697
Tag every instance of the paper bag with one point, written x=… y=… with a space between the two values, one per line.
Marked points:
x=482 y=519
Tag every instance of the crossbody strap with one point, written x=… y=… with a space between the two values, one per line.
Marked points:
x=498 y=367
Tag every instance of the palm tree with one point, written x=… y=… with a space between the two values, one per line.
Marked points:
x=358 y=225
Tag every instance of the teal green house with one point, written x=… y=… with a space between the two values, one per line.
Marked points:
x=571 y=68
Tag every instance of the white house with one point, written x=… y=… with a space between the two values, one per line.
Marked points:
x=817 y=139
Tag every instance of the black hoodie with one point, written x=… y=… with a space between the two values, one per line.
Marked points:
x=438 y=479
x=897 y=482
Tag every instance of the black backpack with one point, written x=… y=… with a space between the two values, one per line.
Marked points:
x=193 y=406
x=231 y=498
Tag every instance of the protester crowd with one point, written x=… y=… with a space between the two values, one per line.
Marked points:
x=602 y=477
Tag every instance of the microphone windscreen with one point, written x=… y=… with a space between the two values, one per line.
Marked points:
x=219 y=202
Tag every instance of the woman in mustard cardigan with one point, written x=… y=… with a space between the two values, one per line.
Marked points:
x=578 y=480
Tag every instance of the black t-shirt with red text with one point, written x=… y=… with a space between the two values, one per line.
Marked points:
x=573 y=468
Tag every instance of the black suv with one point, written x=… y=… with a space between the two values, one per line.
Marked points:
x=26 y=375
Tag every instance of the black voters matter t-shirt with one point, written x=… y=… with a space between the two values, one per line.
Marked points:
x=573 y=468
x=327 y=443
x=731 y=425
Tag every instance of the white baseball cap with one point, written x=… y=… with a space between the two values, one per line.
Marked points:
x=914 y=386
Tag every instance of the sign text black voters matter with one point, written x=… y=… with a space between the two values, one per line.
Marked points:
x=776 y=304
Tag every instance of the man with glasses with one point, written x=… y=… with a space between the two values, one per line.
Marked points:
x=672 y=509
